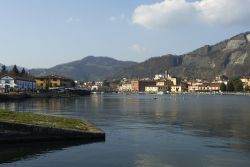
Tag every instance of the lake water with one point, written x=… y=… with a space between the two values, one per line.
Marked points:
x=170 y=131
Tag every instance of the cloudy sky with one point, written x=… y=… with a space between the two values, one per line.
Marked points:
x=44 y=33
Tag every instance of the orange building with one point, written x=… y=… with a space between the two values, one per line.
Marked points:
x=139 y=85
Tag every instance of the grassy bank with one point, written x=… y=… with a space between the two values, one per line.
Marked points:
x=46 y=121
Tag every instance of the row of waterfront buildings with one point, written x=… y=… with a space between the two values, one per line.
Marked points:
x=161 y=83
x=10 y=82
x=167 y=84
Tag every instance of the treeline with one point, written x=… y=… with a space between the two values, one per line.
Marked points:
x=234 y=85
x=14 y=71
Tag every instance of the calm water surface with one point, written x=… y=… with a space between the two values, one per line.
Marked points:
x=171 y=131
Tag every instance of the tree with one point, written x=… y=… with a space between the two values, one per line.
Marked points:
x=230 y=86
x=4 y=69
x=235 y=85
x=15 y=70
x=117 y=82
x=105 y=83
x=23 y=72
x=238 y=85
x=247 y=88
x=223 y=87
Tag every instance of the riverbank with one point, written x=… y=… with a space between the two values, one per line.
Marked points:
x=18 y=127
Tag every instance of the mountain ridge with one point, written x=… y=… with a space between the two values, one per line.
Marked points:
x=230 y=57
x=88 y=68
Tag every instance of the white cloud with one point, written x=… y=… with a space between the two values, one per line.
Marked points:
x=169 y=13
x=137 y=48
x=72 y=20
x=224 y=12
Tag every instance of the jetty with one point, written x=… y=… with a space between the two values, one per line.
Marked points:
x=18 y=127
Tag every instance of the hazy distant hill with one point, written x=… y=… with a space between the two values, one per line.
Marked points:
x=89 y=68
x=230 y=57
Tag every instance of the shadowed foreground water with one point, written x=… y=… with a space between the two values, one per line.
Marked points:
x=173 y=130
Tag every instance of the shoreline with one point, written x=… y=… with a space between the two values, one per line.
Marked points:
x=190 y=93
x=23 y=96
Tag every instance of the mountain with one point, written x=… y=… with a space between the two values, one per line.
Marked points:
x=89 y=68
x=230 y=57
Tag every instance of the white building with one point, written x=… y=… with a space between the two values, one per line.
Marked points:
x=158 y=76
x=8 y=82
x=125 y=87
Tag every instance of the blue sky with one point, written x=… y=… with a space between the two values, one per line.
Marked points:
x=44 y=33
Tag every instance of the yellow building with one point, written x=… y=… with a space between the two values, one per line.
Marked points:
x=178 y=88
x=151 y=89
x=160 y=83
x=53 y=81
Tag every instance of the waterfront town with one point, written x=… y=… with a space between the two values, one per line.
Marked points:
x=16 y=81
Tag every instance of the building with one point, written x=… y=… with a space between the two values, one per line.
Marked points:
x=246 y=81
x=159 y=76
x=164 y=85
x=126 y=87
x=139 y=85
x=175 y=81
x=16 y=83
x=53 y=81
x=221 y=78
x=204 y=87
x=99 y=83
x=177 y=89
x=151 y=89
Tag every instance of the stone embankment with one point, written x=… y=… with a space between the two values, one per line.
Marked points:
x=13 y=96
x=18 y=127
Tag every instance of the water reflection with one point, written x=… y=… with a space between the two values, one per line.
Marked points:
x=205 y=116
x=171 y=127
x=16 y=152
